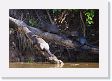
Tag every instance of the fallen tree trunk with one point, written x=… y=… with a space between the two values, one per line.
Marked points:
x=14 y=23
x=35 y=41
x=45 y=35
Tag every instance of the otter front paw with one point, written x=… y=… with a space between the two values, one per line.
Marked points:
x=60 y=62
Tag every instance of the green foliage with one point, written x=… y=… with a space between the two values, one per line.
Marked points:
x=33 y=22
x=89 y=14
x=56 y=10
x=30 y=60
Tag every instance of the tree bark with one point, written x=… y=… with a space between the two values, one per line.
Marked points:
x=17 y=24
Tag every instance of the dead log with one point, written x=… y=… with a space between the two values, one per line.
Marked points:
x=14 y=23
x=38 y=43
x=45 y=35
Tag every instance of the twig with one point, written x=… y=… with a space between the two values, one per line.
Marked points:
x=49 y=17
x=21 y=17
x=63 y=16
x=68 y=52
x=84 y=30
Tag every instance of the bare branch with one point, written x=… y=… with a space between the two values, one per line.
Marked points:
x=48 y=36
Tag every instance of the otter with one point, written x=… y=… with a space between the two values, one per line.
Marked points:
x=42 y=46
x=51 y=28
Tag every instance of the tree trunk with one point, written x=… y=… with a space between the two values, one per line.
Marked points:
x=22 y=27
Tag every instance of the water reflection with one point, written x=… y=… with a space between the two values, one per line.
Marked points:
x=57 y=66
x=47 y=65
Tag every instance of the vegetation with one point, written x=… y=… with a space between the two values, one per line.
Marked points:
x=81 y=26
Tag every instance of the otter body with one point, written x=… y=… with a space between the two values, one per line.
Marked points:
x=43 y=46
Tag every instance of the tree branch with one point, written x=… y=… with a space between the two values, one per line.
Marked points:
x=48 y=36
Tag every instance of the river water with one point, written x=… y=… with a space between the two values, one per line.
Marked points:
x=47 y=65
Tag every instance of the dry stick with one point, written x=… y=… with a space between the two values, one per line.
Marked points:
x=52 y=22
x=63 y=18
x=60 y=53
x=68 y=53
x=62 y=15
x=84 y=30
x=38 y=16
x=21 y=17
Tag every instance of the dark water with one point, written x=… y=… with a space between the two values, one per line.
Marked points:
x=47 y=65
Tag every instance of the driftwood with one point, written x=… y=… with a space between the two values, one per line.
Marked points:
x=37 y=42
x=14 y=23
